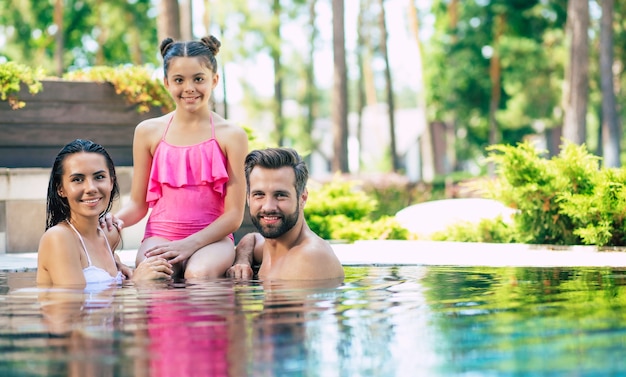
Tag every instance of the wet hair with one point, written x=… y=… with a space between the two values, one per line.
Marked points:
x=276 y=158
x=57 y=208
x=206 y=49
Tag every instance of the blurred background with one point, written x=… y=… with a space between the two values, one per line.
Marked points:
x=416 y=88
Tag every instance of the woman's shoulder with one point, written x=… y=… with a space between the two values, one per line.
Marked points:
x=57 y=240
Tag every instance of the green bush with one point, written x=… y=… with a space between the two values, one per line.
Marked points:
x=487 y=230
x=598 y=213
x=12 y=76
x=566 y=200
x=339 y=210
x=135 y=83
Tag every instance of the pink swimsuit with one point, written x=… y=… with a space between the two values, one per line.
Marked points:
x=186 y=188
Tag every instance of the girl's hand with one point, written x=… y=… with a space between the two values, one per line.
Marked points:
x=174 y=252
x=109 y=222
x=152 y=269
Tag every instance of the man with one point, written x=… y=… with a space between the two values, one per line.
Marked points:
x=285 y=247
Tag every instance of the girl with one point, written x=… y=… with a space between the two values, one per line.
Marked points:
x=188 y=167
x=74 y=251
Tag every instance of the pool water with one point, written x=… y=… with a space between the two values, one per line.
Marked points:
x=379 y=321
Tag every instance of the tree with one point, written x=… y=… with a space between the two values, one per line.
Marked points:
x=391 y=108
x=58 y=36
x=168 y=20
x=275 y=53
x=310 y=91
x=340 y=91
x=576 y=86
x=610 y=122
x=426 y=140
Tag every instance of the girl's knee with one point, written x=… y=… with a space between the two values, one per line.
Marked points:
x=193 y=271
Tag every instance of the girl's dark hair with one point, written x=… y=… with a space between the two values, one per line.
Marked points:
x=57 y=208
x=276 y=158
x=206 y=49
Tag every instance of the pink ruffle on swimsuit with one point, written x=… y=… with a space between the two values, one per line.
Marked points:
x=186 y=188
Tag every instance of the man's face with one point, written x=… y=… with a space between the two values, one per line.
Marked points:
x=274 y=204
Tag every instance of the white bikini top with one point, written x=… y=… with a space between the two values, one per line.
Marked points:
x=97 y=275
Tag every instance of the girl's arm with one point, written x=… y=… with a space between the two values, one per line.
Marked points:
x=137 y=208
x=235 y=146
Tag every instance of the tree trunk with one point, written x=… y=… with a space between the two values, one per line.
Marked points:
x=186 y=19
x=58 y=37
x=310 y=96
x=576 y=90
x=495 y=74
x=361 y=86
x=278 y=76
x=168 y=20
x=395 y=165
x=426 y=139
x=340 y=91
x=610 y=122
x=451 y=124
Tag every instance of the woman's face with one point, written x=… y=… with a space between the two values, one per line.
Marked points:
x=86 y=184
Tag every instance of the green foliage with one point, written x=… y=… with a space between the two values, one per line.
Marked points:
x=338 y=210
x=530 y=183
x=598 y=213
x=94 y=32
x=487 y=230
x=340 y=198
x=457 y=70
x=566 y=200
x=135 y=83
x=394 y=190
x=12 y=77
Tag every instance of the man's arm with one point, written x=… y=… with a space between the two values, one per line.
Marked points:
x=248 y=251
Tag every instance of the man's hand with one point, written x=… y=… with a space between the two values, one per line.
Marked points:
x=244 y=257
x=240 y=271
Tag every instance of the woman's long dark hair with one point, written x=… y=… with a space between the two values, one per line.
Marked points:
x=57 y=208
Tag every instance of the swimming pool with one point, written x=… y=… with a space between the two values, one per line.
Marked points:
x=380 y=321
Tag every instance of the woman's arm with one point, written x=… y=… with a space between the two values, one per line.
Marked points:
x=58 y=263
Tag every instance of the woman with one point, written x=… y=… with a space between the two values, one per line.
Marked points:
x=74 y=251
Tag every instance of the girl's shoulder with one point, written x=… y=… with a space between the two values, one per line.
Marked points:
x=227 y=127
x=156 y=123
x=150 y=130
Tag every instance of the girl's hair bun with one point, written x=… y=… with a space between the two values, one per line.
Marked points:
x=212 y=43
x=165 y=45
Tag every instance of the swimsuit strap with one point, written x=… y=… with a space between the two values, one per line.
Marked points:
x=83 y=243
x=167 y=127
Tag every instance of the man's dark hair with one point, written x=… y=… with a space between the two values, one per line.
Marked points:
x=276 y=158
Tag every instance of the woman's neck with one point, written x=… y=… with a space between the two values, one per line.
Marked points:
x=86 y=227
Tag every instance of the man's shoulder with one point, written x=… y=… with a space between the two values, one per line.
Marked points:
x=314 y=244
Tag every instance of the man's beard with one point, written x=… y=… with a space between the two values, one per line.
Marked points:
x=274 y=231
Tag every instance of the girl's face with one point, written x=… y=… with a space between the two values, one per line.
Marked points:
x=86 y=184
x=190 y=82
